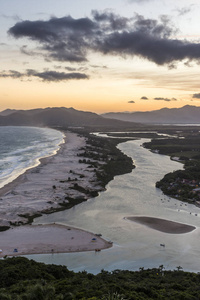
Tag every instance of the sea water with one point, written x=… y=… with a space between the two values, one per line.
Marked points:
x=22 y=147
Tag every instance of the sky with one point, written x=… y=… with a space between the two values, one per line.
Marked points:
x=99 y=56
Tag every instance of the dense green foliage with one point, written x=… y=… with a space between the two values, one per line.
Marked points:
x=182 y=183
x=23 y=279
x=188 y=146
x=109 y=160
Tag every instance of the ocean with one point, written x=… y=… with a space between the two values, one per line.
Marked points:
x=22 y=147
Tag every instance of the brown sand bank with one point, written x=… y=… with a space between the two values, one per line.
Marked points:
x=51 y=238
x=163 y=225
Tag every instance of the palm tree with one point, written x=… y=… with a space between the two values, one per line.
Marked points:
x=179 y=268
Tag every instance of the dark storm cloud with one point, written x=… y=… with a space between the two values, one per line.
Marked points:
x=69 y=39
x=131 y=101
x=47 y=76
x=144 y=98
x=196 y=96
x=64 y=38
x=165 y=99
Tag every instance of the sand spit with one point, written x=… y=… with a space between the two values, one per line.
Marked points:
x=163 y=225
x=51 y=238
x=41 y=189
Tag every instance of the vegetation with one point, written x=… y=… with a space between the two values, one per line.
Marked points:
x=23 y=279
x=181 y=184
x=103 y=155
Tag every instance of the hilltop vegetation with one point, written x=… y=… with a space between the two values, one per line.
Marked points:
x=23 y=279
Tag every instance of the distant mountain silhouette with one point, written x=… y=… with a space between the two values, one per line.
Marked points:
x=185 y=115
x=54 y=117
x=7 y=112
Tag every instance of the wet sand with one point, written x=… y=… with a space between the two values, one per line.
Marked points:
x=51 y=238
x=163 y=225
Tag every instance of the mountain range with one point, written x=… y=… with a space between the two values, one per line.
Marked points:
x=187 y=114
x=70 y=117
x=55 y=117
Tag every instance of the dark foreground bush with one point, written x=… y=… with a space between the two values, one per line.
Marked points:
x=23 y=279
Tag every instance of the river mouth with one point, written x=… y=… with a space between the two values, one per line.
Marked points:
x=162 y=225
x=134 y=245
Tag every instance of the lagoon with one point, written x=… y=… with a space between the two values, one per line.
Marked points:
x=134 y=245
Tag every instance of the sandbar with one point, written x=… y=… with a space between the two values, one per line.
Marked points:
x=49 y=186
x=49 y=238
x=162 y=224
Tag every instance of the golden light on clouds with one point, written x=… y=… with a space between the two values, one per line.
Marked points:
x=104 y=60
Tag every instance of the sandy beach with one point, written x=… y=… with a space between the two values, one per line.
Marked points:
x=51 y=238
x=43 y=188
x=163 y=225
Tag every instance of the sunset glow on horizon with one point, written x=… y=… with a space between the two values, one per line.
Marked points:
x=110 y=56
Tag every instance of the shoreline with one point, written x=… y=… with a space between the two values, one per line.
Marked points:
x=22 y=178
x=51 y=186
x=162 y=225
x=49 y=239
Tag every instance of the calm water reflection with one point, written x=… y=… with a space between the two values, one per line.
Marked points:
x=134 y=245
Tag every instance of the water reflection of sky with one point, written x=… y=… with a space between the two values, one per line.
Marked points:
x=135 y=245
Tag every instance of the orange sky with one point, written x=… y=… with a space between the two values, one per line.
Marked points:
x=114 y=82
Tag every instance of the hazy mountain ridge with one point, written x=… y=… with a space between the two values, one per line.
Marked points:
x=187 y=114
x=56 y=116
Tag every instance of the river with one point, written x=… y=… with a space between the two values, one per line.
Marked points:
x=134 y=245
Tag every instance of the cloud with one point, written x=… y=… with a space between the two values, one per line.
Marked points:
x=58 y=76
x=70 y=69
x=196 y=96
x=71 y=40
x=11 y=74
x=14 y=17
x=165 y=99
x=131 y=101
x=184 y=10
x=144 y=98
x=48 y=76
x=98 y=67
x=24 y=49
x=64 y=38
